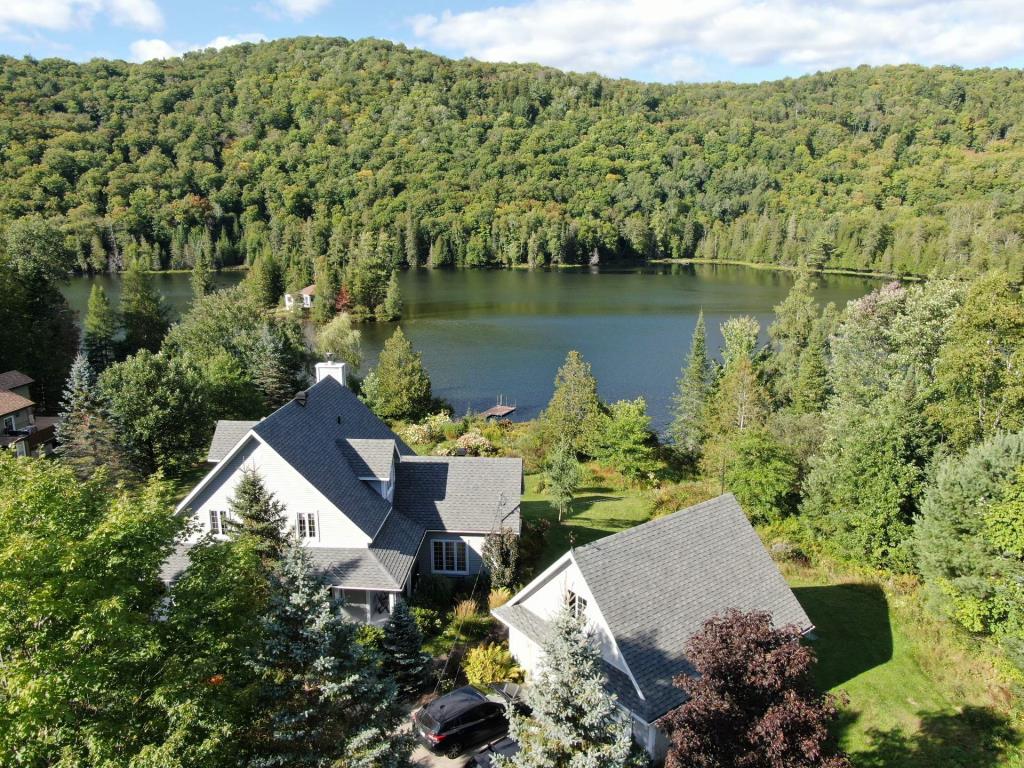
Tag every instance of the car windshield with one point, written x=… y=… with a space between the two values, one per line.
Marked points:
x=423 y=718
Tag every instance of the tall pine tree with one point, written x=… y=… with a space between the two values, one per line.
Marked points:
x=687 y=429
x=574 y=721
x=143 y=312
x=402 y=648
x=253 y=510
x=86 y=437
x=323 y=701
x=202 y=273
x=99 y=329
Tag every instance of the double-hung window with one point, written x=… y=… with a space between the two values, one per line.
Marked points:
x=307 y=525
x=577 y=604
x=8 y=423
x=449 y=556
x=217 y=527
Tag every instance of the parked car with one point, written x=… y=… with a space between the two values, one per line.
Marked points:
x=465 y=718
x=503 y=746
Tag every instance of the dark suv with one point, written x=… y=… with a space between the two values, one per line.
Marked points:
x=466 y=717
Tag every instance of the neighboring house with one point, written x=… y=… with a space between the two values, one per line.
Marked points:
x=20 y=429
x=644 y=593
x=373 y=514
x=304 y=298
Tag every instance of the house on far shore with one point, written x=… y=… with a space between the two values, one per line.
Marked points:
x=20 y=429
x=644 y=593
x=305 y=296
x=374 y=516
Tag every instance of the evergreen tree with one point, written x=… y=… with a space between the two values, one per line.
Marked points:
x=265 y=280
x=795 y=320
x=412 y=240
x=271 y=372
x=562 y=475
x=391 y=308
x=810 y=388
x=574 y=722
x=99 y=329
x=202 y=274
x=86 y=437
x=687 y=429
x=402 y=650
x=327 y=287
x=323 y=701
x=626 y=441
x=254 y=511
x=143 y=312
x=399 y=388
x=574 y=412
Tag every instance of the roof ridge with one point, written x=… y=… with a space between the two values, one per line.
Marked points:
x=643 y=527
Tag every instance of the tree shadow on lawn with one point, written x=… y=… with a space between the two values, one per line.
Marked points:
x=852 y=632
x=975 y=737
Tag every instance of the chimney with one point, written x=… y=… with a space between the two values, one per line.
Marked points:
x=330 y=368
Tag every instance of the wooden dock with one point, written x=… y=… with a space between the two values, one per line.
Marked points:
x=500 y=410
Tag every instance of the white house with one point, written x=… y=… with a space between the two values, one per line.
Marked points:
x=373 y=514
x=20 y=429
x=645 y=592
x=304 y=298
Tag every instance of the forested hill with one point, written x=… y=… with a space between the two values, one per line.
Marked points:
x=309 y=146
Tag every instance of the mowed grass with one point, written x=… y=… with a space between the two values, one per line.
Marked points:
x=916 y=696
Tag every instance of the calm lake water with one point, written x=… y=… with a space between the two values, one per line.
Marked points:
x=490 y=333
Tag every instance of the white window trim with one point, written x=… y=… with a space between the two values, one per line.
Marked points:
x=222 y=517
x=307 y=517
x=10 y=423
x=574 y=600
x=445 y=543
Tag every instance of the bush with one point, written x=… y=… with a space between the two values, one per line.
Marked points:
x=672 y=498
x=491 y=663
x=501 y=557
x=531 y=542
x=370 y=636
x=471 y=443
x=434 y=592
x=430 y=622
x=498 y=597
x=465 y=609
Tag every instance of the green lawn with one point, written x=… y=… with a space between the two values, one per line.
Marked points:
x=916 y=697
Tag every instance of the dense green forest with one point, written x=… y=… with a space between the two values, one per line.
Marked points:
x=317 y=147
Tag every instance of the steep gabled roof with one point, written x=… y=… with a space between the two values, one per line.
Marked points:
x=460 y=493
x=12 y=379
x=657 y=583
x=306 y=436
x=226 y=436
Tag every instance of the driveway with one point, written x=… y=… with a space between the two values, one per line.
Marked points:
x=421 y=758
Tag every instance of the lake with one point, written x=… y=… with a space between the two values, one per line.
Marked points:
x=490 y=333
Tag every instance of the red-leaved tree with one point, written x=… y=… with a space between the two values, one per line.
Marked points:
x=752 y=703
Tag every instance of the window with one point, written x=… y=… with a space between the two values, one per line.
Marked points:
x=8 y=423
x=449 y=556
x=217 y=527
x=577 y=604
x=307 y=525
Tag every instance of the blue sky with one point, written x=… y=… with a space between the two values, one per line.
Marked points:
x=664 y=40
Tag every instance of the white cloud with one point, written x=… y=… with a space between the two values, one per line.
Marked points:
x=144 y=50
x=677 y=39
x=296 y=9
x=61 y=15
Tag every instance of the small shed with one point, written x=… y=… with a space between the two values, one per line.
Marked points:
x=306 y=296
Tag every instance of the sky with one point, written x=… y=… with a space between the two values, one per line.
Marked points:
x=652 y=40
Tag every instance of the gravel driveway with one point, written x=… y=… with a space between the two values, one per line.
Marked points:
x=421 y=758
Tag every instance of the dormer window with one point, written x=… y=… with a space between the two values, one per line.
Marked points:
x=217 y=527
x=307 y=525
x=577 y=605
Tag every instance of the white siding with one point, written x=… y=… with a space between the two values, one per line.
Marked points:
x=526 y=652
x=548 y=598
x=290 y=488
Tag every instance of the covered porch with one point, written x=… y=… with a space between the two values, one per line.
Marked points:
x=364 y=606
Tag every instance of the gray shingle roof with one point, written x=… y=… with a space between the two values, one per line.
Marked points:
x=351 y=568
x=397 y=544
x=657 y=583
x=226 y=436
x=368 y=458
x=460 y=493
x=306 y=436
x=12 y=379
x=175 y=565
